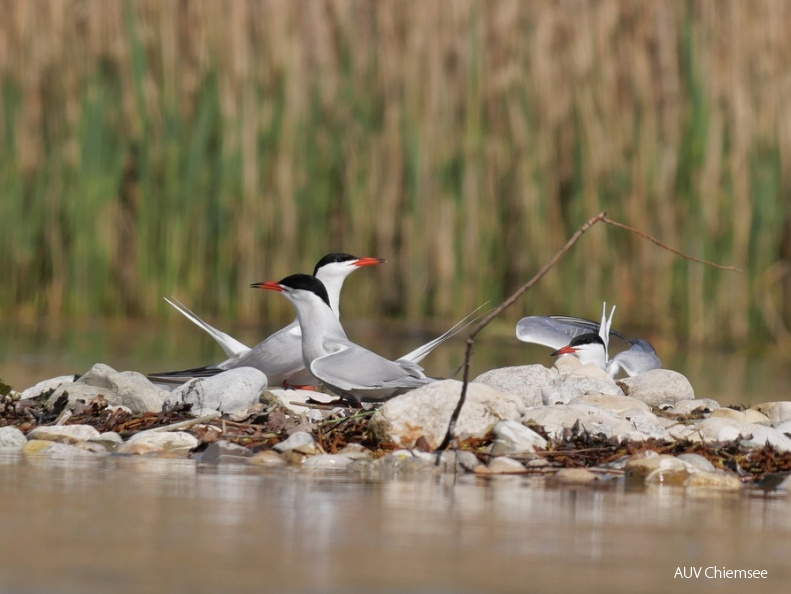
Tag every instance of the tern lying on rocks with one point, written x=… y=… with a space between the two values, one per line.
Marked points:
x=589 y=342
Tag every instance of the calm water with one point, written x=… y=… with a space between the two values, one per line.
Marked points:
x=147 y=525
x=144 y=525
x=31 y=353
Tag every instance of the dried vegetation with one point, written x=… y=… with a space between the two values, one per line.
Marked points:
x=156 y=147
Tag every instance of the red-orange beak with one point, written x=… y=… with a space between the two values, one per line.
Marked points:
x=369 y=261
x=566 y=350
x=271 y=285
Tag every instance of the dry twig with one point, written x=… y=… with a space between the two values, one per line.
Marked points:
x=601 y=217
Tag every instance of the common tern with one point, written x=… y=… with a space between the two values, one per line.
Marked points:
x=348 y=369
x=280 y=355
x=589 y=342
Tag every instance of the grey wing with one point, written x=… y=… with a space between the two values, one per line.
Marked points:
x=279 y=356
x=351 y=367
x=582 y=325
x=641 y=357
x=555 y=331
x=229 y=344
x=552 y=331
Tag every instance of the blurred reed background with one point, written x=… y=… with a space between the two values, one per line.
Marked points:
x=151 y=147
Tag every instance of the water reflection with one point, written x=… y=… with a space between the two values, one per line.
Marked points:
x=136 y=524
x=31 y=353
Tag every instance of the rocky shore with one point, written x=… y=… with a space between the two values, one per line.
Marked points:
x=569 y=424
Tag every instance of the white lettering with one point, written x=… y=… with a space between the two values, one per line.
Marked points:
x=687 y=572
x=713 y=572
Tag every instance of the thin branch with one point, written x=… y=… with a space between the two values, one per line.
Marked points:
x=184 y=424
x=654 y=240
x=450 y=434
x=601 y=217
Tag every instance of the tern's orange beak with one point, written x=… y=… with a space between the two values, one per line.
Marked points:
x=566 y=350
x=271 y=285
x=369 y=261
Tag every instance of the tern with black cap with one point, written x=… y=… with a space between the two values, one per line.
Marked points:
x=589 y=342
x=348 y=369
x=279 y=356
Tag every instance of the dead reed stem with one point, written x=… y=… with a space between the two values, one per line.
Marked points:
x=152 y=148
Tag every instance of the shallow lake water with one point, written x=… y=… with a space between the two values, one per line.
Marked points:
x=30 y=353
x=165 y=525
x=132 y=524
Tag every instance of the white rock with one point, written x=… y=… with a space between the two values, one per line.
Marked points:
x=230 y=392
x=327 y=462
x=750 y=435
x=658 y=386
x=571 y=365
x=680 y=431
x=466 y=461
x=727 y=413
x=64 y=433
x=355 y=451
x=11 y=439
x=48 y=384
x=668 y=423
x=761 y=435
x=502 y=465
x=267 y=458
x=524 y=381
x=294 y=400
x=204 y=412
x=568 y=386
x=662 y=469
x=426 y=412
x=557 y=419
x=138 y=448
x=645 y=426
x=616 y=404
x=119 y=407
x=110 y=437
x=297 y=439
x=631 y=413
x=78 y=391
x=716 y=429
x=686 y=407
x=778 y=412
x=574 y=475
x=225 y=452
x=716 y=479
x=127 y=388
x=697 y=461
x=784 y=427
x=62 y=450
x=132 y=389
x=407 y=462
x=753 y=416
x=166 y=440
x=512 y=438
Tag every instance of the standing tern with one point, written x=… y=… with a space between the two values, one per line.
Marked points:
x=349 y=370
x=280 y=355
x=589 y=342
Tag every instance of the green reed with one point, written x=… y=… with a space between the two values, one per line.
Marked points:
x=150 y=150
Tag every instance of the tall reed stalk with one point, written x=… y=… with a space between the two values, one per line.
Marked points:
x=153 y=148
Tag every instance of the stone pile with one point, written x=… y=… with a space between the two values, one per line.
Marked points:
x=517 y=418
